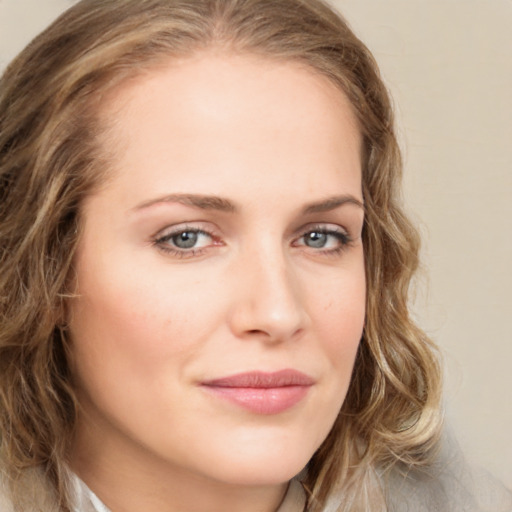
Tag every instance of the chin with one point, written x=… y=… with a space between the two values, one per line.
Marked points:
x=260 y=467
x=265 y=475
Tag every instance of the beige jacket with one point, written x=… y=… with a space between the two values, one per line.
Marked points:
x=451 y=487
x=38 y=499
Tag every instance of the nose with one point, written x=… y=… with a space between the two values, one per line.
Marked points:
x=268 y=303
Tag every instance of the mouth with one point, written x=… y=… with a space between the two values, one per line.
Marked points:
x=262 y=392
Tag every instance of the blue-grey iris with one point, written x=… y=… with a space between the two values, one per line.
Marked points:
x=316 y=239
x=185 y=240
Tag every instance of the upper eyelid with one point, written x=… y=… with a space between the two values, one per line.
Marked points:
x=322 y=226
x=214 y=231
x=171 y=233
x=181 y=227
x=338 y=233
x=163 y=241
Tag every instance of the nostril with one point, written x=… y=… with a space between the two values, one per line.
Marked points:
x=258 y=332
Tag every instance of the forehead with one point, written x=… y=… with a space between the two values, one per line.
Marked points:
x=215 y=113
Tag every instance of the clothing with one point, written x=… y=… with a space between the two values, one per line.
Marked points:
x=86 y=501
x=449 y=487
x=294 y=500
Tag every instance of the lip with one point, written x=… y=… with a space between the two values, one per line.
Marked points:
x=262 y=392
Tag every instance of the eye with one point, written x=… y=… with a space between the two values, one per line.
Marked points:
x=184 y=241
x=324 y=239
x=189 y=239
x=317 y=239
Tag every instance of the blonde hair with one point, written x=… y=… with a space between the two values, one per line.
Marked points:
x=50 y=159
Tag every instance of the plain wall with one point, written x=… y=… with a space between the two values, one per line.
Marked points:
x=448 y=66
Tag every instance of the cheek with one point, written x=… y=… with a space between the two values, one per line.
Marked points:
x=339 y=317
x=128 y=341
x=125 y=328
x=340 y=308
x=129 y=308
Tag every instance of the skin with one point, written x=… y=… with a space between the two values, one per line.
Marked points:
x=258 y=291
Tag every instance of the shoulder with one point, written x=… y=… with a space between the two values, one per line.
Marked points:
x=35 y=495
x=5 y=500
x=450 y=485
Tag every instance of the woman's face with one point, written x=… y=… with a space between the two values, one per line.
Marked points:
x=220 y=274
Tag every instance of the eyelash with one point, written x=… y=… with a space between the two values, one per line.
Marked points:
x=343 y=238
x=162 y=242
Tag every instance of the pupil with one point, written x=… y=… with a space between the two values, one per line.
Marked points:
x=317 y=240
x=185 y=240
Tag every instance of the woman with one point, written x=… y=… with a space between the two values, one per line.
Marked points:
x=205 y=268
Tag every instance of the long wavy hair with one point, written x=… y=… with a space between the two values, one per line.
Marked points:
x=51 y=159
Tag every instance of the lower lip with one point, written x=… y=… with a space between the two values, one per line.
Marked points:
x=262 y=400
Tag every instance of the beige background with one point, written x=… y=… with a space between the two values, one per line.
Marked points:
x=448 y=65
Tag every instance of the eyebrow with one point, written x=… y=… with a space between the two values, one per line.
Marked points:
x=202 y=202
x=331 y=203
x=206 y=202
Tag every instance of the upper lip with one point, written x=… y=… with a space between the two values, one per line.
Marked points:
x=261 y=379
